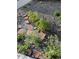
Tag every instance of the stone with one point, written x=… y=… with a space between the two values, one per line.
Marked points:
x=21 y=31
x=35 y=28
x=27 y=22
x=19 y=26
x=26 y=18
x=29 y=32
x=37 y=54
x=30 y=27
x=42 y=35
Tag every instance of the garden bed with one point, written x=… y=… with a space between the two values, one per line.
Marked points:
x=39 y=37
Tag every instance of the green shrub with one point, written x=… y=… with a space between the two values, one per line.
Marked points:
x=22 y=48
x=53 y=49
x=33 y=39
x=53 y=52
x=20 y=37
x=43 y=25
x=57 y=15
x=33 y=16
x=27 y=42
x=53 y=40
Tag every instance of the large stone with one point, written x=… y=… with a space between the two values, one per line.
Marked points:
x=29 y=32
x=26 y=18
x=21 y=31
x=42 y=35
x=37 y=54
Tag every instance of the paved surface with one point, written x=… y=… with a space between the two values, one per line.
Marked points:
x=21 y=3
x=44 y=7
x=21 y=56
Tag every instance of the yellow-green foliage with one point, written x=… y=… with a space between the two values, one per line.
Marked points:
x=33 y=16
x=21 y=37
x=43 y=25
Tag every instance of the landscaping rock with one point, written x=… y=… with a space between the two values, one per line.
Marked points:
x=26 y=18
x=27 y=22
x=35 y=28
x=37 y=54
x=21 y=31
x=42 y=35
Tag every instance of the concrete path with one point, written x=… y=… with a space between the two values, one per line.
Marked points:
x=21 y=3
x=21 y=56
x=43 y=6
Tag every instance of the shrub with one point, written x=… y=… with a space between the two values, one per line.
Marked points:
x=57 y=15
x=53 y=52
x=43 y=25
x=53 y=49
x=33 y=39
x=53 y=40
x=22 y=48
x=33 y=16
x=20 y=37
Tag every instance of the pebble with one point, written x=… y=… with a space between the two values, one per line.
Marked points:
x=27 y=22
